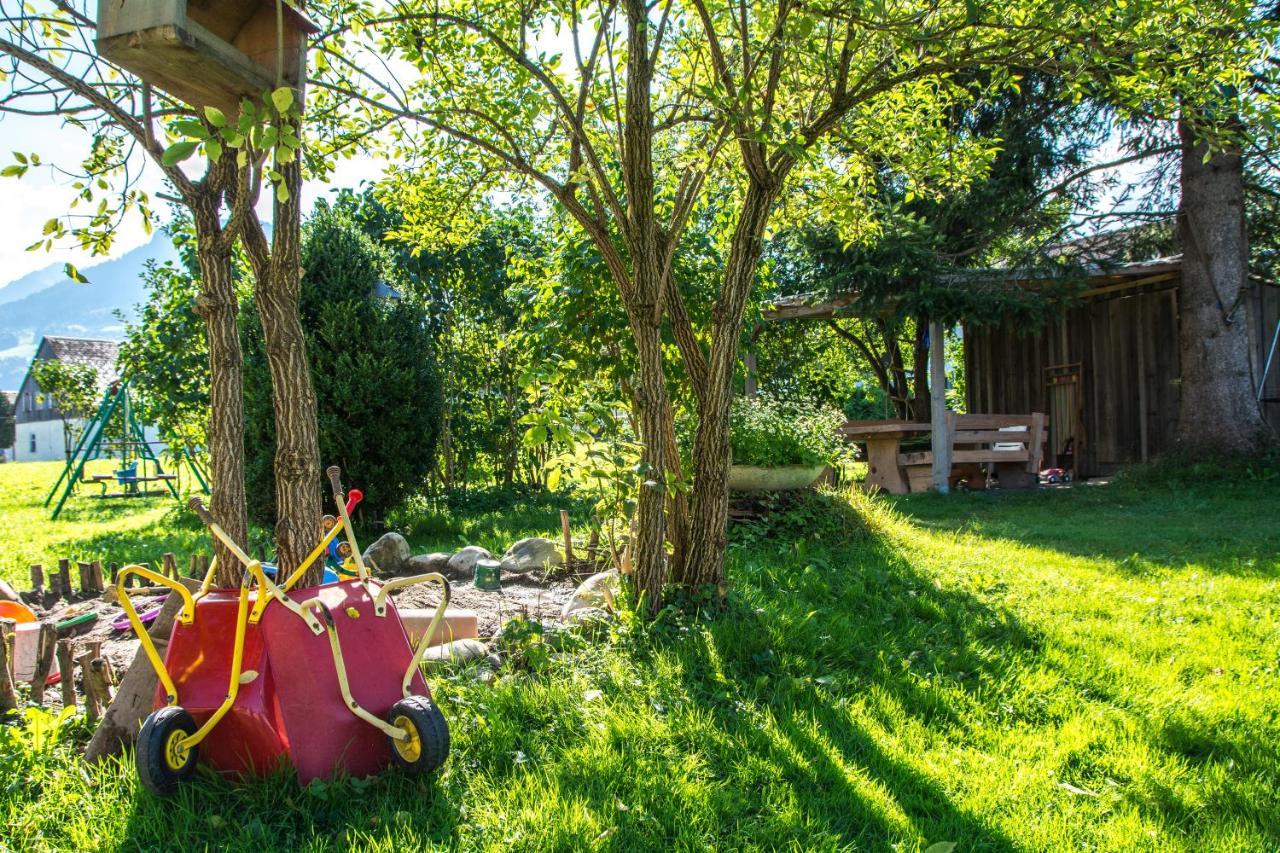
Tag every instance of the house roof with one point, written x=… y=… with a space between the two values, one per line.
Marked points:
x=1100 y=279
x=98 y=354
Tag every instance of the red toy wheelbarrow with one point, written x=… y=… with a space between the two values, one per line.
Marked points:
x=281 y=691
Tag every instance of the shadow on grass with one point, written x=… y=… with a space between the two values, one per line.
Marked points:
x=274 y=813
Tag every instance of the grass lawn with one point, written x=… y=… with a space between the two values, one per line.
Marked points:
x=1090 y=668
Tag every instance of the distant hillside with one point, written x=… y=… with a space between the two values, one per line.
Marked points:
x=46 y=302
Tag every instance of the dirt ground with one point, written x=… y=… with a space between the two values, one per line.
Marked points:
x=534 y=595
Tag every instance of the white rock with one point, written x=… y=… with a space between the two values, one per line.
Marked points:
x=599 y=591
x=423 y=563
x=462 y=565
x=459 y=651
x=529 y=554
x=388 y=553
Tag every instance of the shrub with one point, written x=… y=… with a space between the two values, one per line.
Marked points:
x=378 y=393
x=769 y=433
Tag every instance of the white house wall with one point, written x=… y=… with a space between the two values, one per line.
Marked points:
x=46 y=437
x=49 y=442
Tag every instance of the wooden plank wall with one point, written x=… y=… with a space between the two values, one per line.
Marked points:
x=1127 y=345
x=1266 y=313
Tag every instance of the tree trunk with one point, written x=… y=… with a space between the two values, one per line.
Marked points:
x=920 y=372
x=218 y=306
x=709 y=506
x=642 y=298
x=278 y=275
x=1220 y=412
x=677 y=500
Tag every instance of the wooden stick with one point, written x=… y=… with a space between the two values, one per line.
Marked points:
x=64 y=578
x=93 y=707
x=8 y=696
x=44 y=662
x=86 y=579
x=115 y=572
x=170 y=566
x=66 y=666
x=96 y=583
x=103 y=679
x=195 y=566
x=37 y=577
x=568 y=537
x=593 y=543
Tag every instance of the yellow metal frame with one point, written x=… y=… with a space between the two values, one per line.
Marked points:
x=237 y=662
x=185 y=616
x=380 y=609
x=207 y=583
x=340 y=667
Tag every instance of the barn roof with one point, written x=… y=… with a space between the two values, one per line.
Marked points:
x=1099 y=278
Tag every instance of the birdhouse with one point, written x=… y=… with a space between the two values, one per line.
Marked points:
x=207 y=52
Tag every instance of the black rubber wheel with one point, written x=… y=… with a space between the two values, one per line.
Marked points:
x=428 y=744
x=162 y=764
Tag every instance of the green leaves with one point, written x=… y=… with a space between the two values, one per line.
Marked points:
x=178 y=151
x=282 y=99
x=74 y=274
x=215 y=116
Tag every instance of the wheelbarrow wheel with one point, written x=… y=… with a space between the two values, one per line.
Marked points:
x=427 y=745
x=163 y=763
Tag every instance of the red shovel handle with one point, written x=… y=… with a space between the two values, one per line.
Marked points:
x=353 y=500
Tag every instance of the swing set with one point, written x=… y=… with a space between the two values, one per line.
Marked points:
x=114 y=432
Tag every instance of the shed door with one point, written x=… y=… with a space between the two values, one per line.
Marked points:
x=1066 y=417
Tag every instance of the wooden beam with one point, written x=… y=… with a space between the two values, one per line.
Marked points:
x=938 y=408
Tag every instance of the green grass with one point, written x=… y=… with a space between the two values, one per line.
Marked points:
x=121 y=530
x=1090 y=668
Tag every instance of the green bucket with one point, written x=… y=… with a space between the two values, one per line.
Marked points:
x=488 y=574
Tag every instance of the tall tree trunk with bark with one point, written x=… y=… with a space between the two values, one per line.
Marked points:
x=218 y=307
x=1220 y=412
x=709 y=504
x=641 y=293
x=278 y=275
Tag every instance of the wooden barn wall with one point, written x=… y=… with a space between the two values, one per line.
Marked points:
x=1266 y=313
x=1127 y=347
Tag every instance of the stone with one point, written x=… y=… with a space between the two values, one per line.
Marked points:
x=590 y=622
x=425 y=563
x=462 y=565
x=459 y=651
x=529 y=554
x=389 y=554
x=597 y=591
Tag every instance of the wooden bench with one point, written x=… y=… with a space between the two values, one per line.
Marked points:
x=1012 y=444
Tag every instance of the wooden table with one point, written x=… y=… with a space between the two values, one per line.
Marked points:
x=883 y=440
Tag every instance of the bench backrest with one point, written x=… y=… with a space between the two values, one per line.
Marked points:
x=991 y=438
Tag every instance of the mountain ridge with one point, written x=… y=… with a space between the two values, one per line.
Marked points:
x=46 y=302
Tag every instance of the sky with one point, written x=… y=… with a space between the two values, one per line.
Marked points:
x=27 y=203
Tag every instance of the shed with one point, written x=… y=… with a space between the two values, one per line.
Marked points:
x=207 y=52
x=1107 y=371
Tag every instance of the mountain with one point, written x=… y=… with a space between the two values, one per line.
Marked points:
x=46 y=302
